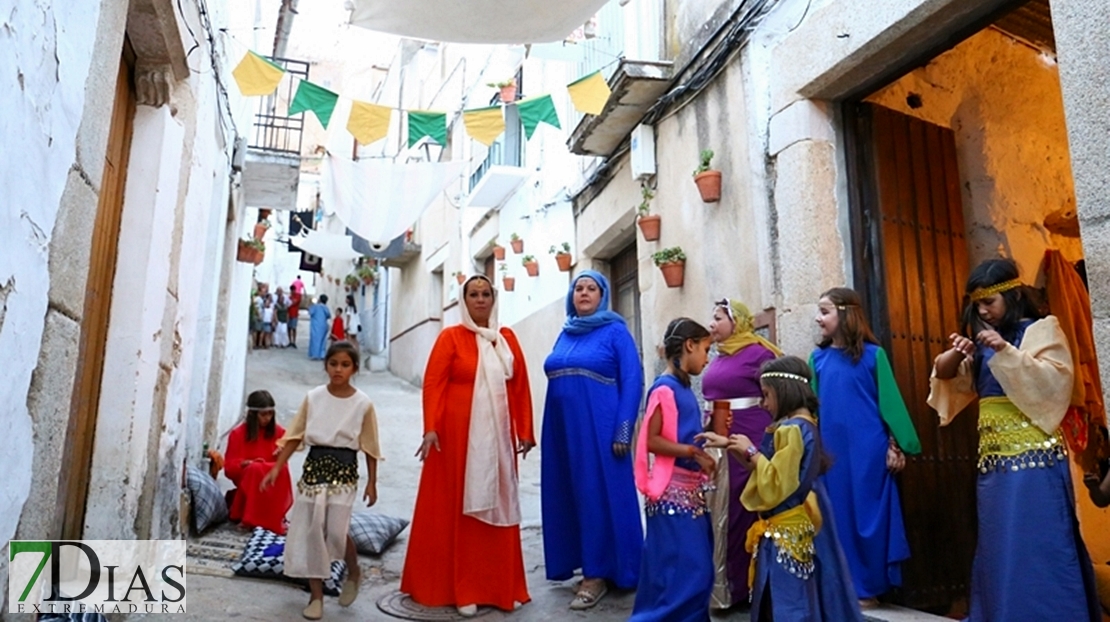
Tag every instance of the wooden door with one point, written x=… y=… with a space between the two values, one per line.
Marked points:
x=73 y=488
x=911 y=263
x=625 y=294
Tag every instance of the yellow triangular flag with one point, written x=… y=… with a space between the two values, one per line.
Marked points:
x=368 y=123
x=589 y=94
x=256 y=75
x=484 y=124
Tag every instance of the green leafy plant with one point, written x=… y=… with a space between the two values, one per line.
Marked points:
x=367 y=272
x=527 y=259
x=351 y=280
x=646 y=194
x=504 y=269
x=564 y=249
x=502 y=84
x=514 y=237
x=669 y=255
x=706 y=158
x=257 y=245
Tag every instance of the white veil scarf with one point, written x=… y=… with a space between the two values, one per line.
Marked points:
x=490 y=490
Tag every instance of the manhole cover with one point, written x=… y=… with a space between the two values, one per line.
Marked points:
x=401 y=606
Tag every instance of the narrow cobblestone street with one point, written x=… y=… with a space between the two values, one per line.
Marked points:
x=288 y=374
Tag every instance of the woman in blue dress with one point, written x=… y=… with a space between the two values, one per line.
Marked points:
x=676 y=578
x=318 y=316
x=867 y=431
x=1030 y=561
x=595 y=382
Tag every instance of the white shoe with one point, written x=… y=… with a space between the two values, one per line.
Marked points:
x=468 y=611
x=517 y=605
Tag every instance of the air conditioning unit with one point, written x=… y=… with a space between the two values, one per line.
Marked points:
x=643 y=152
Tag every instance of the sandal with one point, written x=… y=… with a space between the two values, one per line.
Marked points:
x=586 y=599
x=349 y=592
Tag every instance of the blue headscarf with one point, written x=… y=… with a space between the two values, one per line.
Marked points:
x=576 y=325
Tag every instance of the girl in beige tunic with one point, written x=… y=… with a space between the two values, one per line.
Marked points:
x=335 y=421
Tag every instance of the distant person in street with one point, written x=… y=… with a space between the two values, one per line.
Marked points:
x=465 y=549
x=336 y=421
x=591 y=518
x=251 y=449
x=296 y=295
x=267 y=321
x=352 y=324
x=731 y=385
x=799 y=571
x=281 y=320
x=338 y=332
x=867 y=429
x=318 y=316
x=676 y=577
x=1030 y=560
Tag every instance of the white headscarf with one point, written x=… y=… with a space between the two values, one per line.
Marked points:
x=490 y=491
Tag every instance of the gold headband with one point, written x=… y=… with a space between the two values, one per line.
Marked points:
x=784 y=374
x=986 y=292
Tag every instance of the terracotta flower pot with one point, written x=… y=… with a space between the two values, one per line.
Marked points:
x=563 y=259
x=259 y=255
x=509 y=282
x=674 y=273
x=649 y=226
x=508 y=93
x=260 y=231
x=499 y=253
x=533 y=268
x=244 y=253
x=367 y=280
x=461 y=278
x=709 y=185
x=518 y=246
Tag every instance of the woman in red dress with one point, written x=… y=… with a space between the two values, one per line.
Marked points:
x=465 y=546
x=250 y=455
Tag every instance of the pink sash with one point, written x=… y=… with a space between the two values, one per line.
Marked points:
x=653 y=482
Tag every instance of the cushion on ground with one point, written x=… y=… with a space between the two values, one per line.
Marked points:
x=373 y=533
x=262 y=559
x=209 y=506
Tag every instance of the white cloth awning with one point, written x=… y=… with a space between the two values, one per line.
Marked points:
x=334 y=246
x=379 y=199
x=476 y=21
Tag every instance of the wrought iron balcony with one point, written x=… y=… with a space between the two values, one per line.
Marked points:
x=274 y=129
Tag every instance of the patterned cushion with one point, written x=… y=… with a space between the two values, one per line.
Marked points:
x=209 y=506
x=72 y=617
x=373 y=533
x=262 y=559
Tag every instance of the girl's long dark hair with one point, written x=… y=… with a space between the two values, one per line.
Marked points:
x=852 y=326
x=1021 y=302
x=679 y=331
x=792 y=394
x=256 y=401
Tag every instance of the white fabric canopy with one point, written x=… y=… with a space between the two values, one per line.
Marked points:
x=379 y=199
x=332 y=246
x=476 y=21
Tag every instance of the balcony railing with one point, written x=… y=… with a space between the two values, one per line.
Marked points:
x=274 y=129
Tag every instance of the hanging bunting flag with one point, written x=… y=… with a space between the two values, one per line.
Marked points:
x=484 y=124
x=256 y=75
x=315 y=98
x=536 y=110
x=589 y=94
x=430 y=124
x=368 y=123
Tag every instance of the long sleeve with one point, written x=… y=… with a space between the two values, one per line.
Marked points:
x=295 y=431
x=775 y=479
x=368 y=435
x=437 y=374
x=892 y=408
x=1038 y=376
x=630 y=385
x=520 y=391
x=950 y=396
x=235 y=453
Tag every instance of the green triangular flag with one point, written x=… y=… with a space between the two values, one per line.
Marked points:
x=430 y=124
x=315 y=98
x=536 y=110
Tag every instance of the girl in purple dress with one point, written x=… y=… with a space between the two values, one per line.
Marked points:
x=733 y=379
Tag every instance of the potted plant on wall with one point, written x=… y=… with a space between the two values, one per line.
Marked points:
x=351 y=281
x=707 y=179
x=672 y=263
x=517 y=243
x=562 y=256
x=459 y=276
x=507 y=281
x=531 y=265
x=258 y=251
x=245 y=252
x=498 y=252
x=508 y=89
x=367 y=273
x=648 y=222
x=260 y=228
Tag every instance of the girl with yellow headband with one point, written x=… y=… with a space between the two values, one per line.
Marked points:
x=1030 y=560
